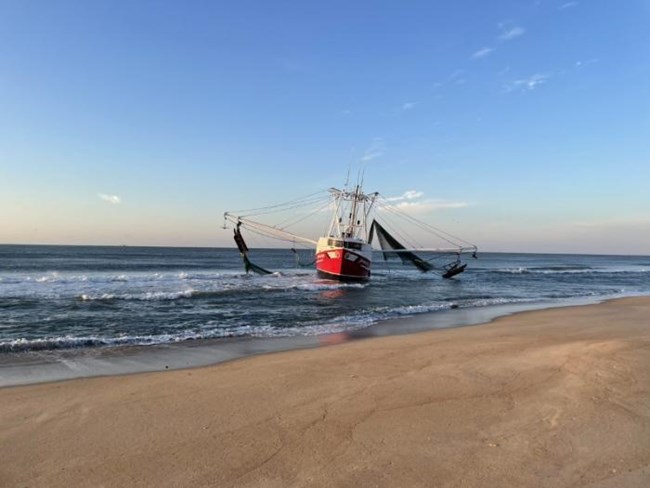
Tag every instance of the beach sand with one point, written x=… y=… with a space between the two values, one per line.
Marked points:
x=550 y=398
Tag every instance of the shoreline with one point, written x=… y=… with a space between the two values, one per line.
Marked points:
x=555 y=397
x=35 y=367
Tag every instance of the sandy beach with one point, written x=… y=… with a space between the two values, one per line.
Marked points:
x=557 y=397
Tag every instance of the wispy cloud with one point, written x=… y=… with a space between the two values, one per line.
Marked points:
x=528 y=84
x=375 y=150
x=407 y=195
x=409 y=105
x=481 y=53
x=429 y=205
x=411 y=201
x=457 y=77
x=114 y=199
x=504 y=71
x=582 y=64
x=509 y=33
x=568 y=5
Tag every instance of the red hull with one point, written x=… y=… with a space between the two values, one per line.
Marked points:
x=343 y=265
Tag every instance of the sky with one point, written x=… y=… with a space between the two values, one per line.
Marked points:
x=521 y=125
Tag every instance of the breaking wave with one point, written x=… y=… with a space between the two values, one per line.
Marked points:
x=149 y=295
x=73 y=342
x=159 y=296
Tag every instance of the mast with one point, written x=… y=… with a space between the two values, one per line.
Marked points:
x=353 y=214
x=348 y=202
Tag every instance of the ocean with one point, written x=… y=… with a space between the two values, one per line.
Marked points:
x=78 y=298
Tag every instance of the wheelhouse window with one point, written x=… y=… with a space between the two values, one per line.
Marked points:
x=353 y=245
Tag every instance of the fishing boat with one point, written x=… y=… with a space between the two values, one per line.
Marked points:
x=345 y=251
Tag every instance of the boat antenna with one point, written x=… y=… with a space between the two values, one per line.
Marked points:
x=363 y=175
x=347 y=178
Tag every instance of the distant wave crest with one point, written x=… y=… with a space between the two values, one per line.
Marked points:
x=568 y=270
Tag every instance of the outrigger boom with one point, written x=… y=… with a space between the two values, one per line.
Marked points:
x=267 y=230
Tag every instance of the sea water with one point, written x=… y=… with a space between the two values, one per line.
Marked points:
x=77 y=298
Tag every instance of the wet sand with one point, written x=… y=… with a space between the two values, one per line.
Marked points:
x=557 y=397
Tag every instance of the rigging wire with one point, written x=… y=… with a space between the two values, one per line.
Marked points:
x=259 y=232
x=266 y=209
x=267 y=230
x=284 y=208
x=403 y=236
x=288 y=222
x=446 y=236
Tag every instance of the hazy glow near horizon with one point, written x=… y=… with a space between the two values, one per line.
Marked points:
x=520 y=126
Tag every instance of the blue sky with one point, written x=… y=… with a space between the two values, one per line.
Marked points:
x=522 y=125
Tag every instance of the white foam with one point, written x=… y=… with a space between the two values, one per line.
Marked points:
x=150 y=295
x=69 y=342
x=326 y=286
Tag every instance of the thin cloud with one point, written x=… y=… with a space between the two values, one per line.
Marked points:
x=411 y=201
x=411 y=194
x=444 y=204
x=375 y=150
x=407 y=195
x=113 y=199
x=429 y=205
x=481 y=53
x=409 y=105
x=528 y=84
x=457 y=77
x=568 y=5
x=582 y=64
x=511 y=33
x=504 y=71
